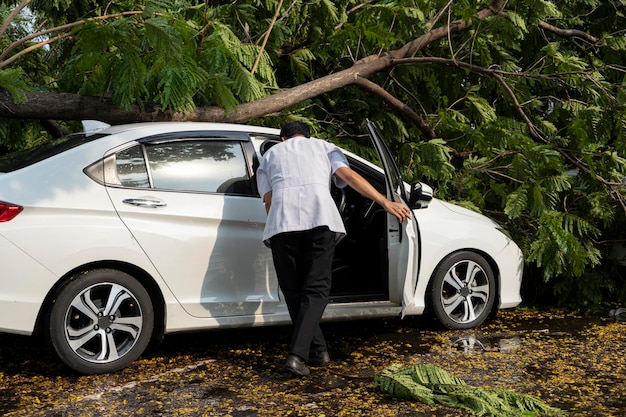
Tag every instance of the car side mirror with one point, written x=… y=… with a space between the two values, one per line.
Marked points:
x=418 y=197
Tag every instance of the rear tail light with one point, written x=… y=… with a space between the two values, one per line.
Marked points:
x=8 y=211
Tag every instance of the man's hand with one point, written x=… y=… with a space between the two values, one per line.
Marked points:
x=399 y=210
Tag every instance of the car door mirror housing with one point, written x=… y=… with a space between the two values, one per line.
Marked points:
x=419 y=195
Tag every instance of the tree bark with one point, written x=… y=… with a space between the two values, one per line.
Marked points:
x=67 y=106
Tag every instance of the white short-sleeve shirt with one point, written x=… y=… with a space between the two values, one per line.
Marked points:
x=298 y=171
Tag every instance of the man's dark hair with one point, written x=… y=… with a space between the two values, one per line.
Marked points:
x=291 y=129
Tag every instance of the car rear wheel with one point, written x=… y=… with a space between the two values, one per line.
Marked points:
x=101 y=321
x=463 y=290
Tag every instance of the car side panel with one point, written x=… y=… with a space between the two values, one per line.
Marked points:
x=68 y=219
x=208 y=249
x=67 y=222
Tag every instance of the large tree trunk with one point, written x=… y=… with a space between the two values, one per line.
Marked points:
x=66 y=106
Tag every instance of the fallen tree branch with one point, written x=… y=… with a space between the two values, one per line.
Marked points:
x=572 y=33
x=32 y=48
x=267 y=35
x=12 y=16
x=396 y=104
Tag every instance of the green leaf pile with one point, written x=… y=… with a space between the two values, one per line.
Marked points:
x=432 y=385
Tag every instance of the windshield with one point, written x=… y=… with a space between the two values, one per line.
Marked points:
x=21 y=159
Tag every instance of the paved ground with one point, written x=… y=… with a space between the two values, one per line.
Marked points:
x=575 y=363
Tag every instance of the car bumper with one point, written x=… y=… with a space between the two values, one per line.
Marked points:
x=511 y=263
x=23 y=288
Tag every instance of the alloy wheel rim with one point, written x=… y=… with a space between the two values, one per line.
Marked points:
x=103 y=322
x=465 y=291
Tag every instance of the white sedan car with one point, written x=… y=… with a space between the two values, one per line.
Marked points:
x=111 y=239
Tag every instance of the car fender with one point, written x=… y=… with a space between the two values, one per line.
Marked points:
x=443 y=232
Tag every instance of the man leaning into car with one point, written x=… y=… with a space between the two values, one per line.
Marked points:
x=302 y=229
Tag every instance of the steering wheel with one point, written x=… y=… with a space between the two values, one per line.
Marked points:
x=339 y=195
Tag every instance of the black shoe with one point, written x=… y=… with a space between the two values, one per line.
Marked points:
x=295 y=366
x=321 y=359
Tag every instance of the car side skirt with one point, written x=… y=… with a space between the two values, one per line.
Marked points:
x=334 y=312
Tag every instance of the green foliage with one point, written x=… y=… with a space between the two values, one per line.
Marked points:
x=65 y=11
x=225 y=56
x=560 y=245
x=13 y=81
x=426 y=160
x=18 y=134
x=433 y=385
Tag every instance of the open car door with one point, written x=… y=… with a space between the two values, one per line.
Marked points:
x=402 y=239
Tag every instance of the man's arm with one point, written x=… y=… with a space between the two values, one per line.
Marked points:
x=267 y=199
x=360 y=184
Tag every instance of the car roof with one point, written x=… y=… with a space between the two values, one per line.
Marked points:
x=155 y=128
x=168 y=127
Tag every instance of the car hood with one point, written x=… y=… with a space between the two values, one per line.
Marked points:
x=466 y=212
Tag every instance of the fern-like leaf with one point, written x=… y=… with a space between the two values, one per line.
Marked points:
x=432 y=385
x=12 y=80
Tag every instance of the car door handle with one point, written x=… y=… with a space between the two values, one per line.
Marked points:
x=145 y=202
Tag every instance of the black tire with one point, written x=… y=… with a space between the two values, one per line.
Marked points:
x=100 y=321
x=462 y=291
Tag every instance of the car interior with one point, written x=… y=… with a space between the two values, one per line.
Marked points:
x=360 y=265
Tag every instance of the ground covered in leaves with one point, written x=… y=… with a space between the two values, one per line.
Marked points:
x=577 y=364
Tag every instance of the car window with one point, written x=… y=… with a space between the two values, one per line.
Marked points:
x=211 y=166
x=21 y=159
x=131 y=168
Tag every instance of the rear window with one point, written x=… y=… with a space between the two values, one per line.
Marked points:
x=21 y=159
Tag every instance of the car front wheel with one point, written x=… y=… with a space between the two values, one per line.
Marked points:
x=463 y=290
x=100 y=321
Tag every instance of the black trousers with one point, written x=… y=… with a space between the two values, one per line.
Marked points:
x=303 y=263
